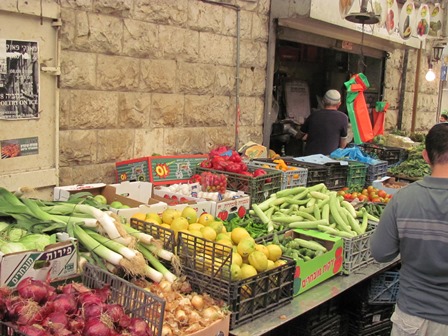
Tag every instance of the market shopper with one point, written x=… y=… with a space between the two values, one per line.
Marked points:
x=443 y=118
x=414 y=224
x=326 y=129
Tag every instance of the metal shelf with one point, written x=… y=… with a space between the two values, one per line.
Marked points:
x=309 y=300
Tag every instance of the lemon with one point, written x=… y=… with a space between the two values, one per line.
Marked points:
x=237 y=259
x=190 y=214
x=195 y=226
x=179 y=223
x=196 y=233
x=258 y=260
x=245 y=247
x=239 y=234
x=279 y=263
x=262 y=248
x=170 y=214
x=208 y=233
x=271 y=265
x=225 y=241
x=247 y=271
x=235 y=272
x=216 y=225
x=153 y=217
x=220 y=236
x=205 y=218
x=139 y=216
x=275 y=252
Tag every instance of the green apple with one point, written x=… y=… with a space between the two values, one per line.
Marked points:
x=116 y=205
x=100 y=199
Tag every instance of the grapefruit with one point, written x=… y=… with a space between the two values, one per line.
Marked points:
x=262 y=248
x=237 y=259
x=235 y=272
x=245 y=247
x=216 y=225
x=153 y=217
x=275 y=252
x=208 y=233
x=247 y=271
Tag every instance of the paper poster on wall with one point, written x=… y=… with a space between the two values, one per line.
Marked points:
x=19 y=79
x=19 y=147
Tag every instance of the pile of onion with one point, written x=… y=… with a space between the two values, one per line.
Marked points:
x=38 y=309
x=186 y=312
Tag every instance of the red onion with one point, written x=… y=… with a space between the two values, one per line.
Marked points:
x=32 y=313
x=139 y=327
x=31 y=330
x=94 y=327
x=92 y=310
x=56 y=320
x=65 y=303
x=115 y=312
x=74 y=288
x=37 y=290
x=103 y=292
x=125 y=321
x=15 y=305
x=89 y=298
x=76 y=325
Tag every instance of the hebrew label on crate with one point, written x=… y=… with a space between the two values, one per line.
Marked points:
x=173 y=169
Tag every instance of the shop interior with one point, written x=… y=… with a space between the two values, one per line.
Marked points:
x=303 y=73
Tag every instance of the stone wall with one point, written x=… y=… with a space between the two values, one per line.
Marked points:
x=156 y=76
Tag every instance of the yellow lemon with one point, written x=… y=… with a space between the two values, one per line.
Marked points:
x=235 y=272
x=225 y=241
x=275 y=252
x=279 y=263
x=237 y=259
x=196 y=233
x=258 y=260
x=271 y=265
x=190 y=214
x=180 y=223
x=195 y=226
x=205 y=218
x=239 y=234
x=216 y=225
x=247 y=271
x=153 y=217
x=220 y=236
x=169 y=215
x=246 y=247
x=262 y=248
x=139 y=216
x=208 y=233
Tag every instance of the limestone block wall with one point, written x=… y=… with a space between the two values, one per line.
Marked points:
x=156 y=76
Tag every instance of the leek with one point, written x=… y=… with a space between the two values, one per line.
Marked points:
x=107 y=254
x=156 y=263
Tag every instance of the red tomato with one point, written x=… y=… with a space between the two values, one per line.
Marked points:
x=362 y=198
x=348 y=197
x=376 y=200
x=341 y=193
x=382 y=193
x=345 y=188
x=365 y=192
x=370 y=188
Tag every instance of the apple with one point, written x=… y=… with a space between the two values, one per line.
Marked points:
x=116 y=205
x=100 y=199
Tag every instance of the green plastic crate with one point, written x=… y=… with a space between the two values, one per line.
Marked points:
x=356 y=175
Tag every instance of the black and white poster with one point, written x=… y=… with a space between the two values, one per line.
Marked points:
x=19 y=79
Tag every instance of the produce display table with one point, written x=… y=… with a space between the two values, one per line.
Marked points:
x=309 y=300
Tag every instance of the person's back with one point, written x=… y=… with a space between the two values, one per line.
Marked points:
x=324 y=131
x=415 y=225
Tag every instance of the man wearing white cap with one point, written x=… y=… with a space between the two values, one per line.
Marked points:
x=326 y=129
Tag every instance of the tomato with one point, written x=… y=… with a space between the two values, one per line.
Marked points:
x=362 y=198
x=376 y=200
x=370 y=188
x=382 y=193
x=345 y=189
x=348 y=197
x=341 y=193
x=355 y=194
x=365 y=192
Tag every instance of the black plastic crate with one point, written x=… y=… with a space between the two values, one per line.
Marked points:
x=336 y=176
x=258 y=188
x=316 y=173
x=207 y=266
x=327 y=327
x=375 y=171
x=392 y=155
x=356 y=174
x=163 y=234
x=383 y=288
x=136 y=301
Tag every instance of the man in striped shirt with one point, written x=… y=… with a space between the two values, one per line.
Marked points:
x=414 y=224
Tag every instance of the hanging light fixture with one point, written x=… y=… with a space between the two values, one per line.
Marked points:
x=430 y=75
x=364 y=16
x=437 y=52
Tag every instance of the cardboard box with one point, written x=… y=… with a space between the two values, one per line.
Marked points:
x=63 y=193
x=58 y=261
x=225 y=209
x=311 y=273
x=139 y=191
x=379 y=184
x=217 y=328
